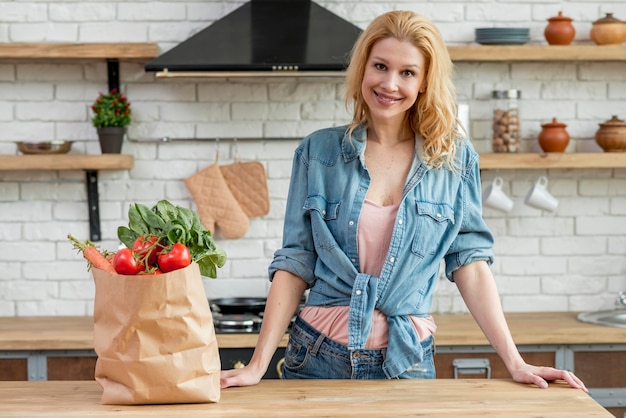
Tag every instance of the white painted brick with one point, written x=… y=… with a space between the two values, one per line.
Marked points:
x=572 y=285
x=116 y=31
x=617 y=90
x=44 y=32
x=9 y=270
x=616 y=245
x=188 y=112
x=232 y=92
x=154 y=12
x=82 y=12
x=568 y=245
x=601 y=71
x=23 y=12
x=48 y=72
x=32 y=290
x=539 y=303
x=249 y=111
x=601 y=225
x=533 y=266
x=301 y=92
x=518 y=285
x=516 y=246
x=77 y=289
x=236 y=129
x=600 y=265
x=25 y=211
x=52 y=308
x=50 y=112
x=7 y=73
x=541 y=227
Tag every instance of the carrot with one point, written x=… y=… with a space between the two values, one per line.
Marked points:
x=92 y=255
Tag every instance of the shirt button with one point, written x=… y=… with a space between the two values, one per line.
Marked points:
x=400 y=222
x=391 y=260
x=439 y=215
x=323 y=212
x=358 y=292
x=351 y=223
x=353 y=259
x=361 y=190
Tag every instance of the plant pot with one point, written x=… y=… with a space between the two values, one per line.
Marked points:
x=111 y=139
x=553 y=137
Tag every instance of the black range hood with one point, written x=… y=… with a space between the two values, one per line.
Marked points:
x=270 y=37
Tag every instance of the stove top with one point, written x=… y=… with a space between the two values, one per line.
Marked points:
x=237 y=323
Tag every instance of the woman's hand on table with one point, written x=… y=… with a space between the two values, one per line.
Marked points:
x=540 y=376
x=245 y=376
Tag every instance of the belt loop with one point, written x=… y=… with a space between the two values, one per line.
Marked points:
x=317 y=344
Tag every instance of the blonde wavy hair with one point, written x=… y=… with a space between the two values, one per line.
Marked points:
x=433 y=115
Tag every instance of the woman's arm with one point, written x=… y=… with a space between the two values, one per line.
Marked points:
x=478 y=289
x=282 y=301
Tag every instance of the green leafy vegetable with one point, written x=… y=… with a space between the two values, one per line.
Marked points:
x=174 y=224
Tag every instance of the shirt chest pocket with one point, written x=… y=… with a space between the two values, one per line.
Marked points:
x=432 y=222
x=323 y=219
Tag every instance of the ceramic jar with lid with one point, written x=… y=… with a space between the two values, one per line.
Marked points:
x=612 y=135
x=553 y=136
x=560 y=30
x=608 y=31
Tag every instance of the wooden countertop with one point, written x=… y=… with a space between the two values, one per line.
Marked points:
x=76 y=333
x=336 y=398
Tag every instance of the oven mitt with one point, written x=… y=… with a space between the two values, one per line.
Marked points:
x=216 y=204
x=248 y=183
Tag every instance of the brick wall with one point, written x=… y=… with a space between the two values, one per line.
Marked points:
x=573 y=259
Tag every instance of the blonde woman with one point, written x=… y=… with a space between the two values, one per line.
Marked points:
x=373 y=208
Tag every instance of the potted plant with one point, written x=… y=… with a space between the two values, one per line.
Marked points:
x=111 y=116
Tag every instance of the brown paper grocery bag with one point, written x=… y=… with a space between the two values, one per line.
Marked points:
x=154 y=338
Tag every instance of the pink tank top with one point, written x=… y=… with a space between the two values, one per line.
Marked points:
x=375 y=229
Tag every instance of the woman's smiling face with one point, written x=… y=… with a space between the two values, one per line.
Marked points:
x=394 y=75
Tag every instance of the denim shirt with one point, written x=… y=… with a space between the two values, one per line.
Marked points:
x=440 y=217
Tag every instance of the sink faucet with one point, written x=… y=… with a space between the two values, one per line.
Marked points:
x=620 y=302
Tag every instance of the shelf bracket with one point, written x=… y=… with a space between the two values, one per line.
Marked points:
x=113 y=73
x=94 y=205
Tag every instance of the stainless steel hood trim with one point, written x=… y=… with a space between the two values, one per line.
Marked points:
x=166 y=74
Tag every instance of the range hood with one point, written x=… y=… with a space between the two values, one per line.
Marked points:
x=264 y=37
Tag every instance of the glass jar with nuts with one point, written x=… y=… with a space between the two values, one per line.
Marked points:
x=506 y=120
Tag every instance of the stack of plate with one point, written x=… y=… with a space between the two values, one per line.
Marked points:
x=502 y=36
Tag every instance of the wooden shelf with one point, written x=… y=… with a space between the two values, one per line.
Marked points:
x=528 y=161
x=66 y=162
x=145 y=51
x=537 y=53
x=79 y=51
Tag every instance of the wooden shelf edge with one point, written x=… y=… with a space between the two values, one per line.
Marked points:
x=66 y=162
x=491 y=161
x=537 y=53
x=119 y=50
x=477 y=53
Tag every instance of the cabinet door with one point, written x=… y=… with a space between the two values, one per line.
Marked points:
x=444 y=363
x=601 y=369
x=71 y=368
x=13 y=369
x=238 y=357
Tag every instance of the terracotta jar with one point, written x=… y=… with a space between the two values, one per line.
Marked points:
x=612 y=135
x=608 y=31
x=553 y=137
x=560 y=30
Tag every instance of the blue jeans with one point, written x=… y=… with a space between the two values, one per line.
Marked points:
x=312 y=355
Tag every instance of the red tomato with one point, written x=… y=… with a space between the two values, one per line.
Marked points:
x=147 y=248
x=126 y=263
x=174 y=257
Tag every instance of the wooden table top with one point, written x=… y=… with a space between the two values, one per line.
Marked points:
x=307 y=398
x=76 y=333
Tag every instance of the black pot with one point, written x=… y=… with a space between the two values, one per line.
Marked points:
x=229 y=306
